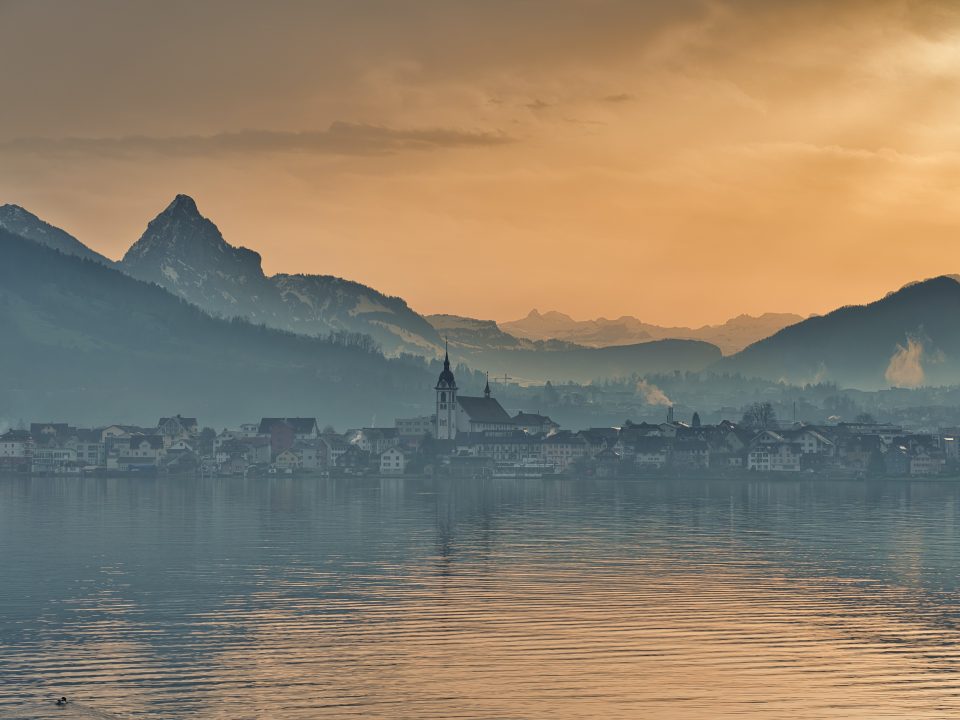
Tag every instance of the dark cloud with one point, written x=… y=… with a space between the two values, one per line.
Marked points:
x=341 y=138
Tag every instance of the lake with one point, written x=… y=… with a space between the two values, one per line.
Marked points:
x=305 y=598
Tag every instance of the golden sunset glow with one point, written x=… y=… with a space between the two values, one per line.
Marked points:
x=682 y=162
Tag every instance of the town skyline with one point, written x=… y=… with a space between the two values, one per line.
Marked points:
x=600 y=159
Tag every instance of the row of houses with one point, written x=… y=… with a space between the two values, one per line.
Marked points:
x=638 y=448
x=877 y=449
x=527 y=441
x=60 y=448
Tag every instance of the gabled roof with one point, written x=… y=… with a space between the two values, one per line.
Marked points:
x=484 y=410
x=598 y=435
x=16 y=436
x=522 y=418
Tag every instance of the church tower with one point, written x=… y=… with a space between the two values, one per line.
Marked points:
x=446 y=423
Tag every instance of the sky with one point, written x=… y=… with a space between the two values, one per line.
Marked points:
x=682 y=162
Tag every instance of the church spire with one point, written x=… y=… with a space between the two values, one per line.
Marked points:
x=446 y=377
x=486 y=390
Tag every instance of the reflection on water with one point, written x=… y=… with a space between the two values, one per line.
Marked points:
x=295 y=598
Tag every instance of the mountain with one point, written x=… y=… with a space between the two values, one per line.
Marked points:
x=185 y=253
x=325 y=301
x=89 y=344
x=18 y=221
x=483 y=344
x=910 y=337
x=470 y=334
x=731 y=336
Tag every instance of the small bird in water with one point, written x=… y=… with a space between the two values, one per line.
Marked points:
x=62 y=701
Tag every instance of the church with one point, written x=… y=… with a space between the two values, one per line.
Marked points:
x=464 y=414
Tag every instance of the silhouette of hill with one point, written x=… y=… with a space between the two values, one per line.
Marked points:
x=19 y=221
x=908 y=338
x=87 y=343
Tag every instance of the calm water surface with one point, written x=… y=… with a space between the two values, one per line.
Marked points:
x=302 y=598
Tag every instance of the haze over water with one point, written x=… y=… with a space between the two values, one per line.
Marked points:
x=301 y=598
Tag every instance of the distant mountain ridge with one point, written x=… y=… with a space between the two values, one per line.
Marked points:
x=910 y=337
x=731 y=336
x=19 y=221
x=483 y=344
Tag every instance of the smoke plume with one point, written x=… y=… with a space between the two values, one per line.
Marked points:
x=906 y=365
x=652 y=395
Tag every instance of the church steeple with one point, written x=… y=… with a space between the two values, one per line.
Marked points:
x=486 y=390
x=446 y=377
x=445 y=427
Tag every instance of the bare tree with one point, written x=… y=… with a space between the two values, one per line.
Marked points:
x=760 y=416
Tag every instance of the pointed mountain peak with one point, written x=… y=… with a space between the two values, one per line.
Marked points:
x=185 y=252
x=183 y=204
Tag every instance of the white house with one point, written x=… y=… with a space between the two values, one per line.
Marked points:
x=393 y=461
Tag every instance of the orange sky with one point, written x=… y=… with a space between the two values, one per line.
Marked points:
x=682 y=162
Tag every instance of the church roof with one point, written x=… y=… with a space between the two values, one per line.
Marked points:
x=484 y=410
x=446 y=377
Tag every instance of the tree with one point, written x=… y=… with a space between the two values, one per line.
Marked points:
x=760 y=416
x=205 y=441
x=550 y=394
x=866 y=418
x=695 y=421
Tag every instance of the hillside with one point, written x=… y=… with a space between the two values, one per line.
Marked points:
x=910 y=337
x=19 y=221
x=315 y=302
x=86 y=343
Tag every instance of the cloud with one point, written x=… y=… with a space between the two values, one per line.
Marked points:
x=619 y=98
x=341 y=138
x=906 y=366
